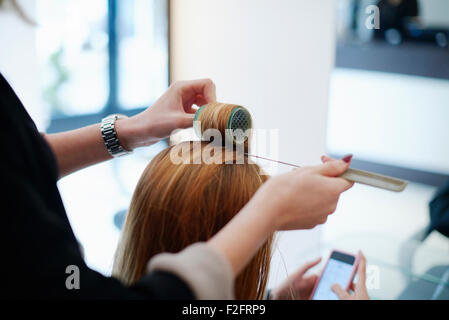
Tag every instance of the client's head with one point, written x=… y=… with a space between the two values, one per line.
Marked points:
x=177 y=204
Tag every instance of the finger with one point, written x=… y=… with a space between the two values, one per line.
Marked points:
x=347 y=158
x=188 y=105
x=309 y=265
x=186 y=121
x=339 y=184
x=325 y=159
x=196 y=99
x=361 y=272
x=309 y=281
x=301 y=271
x=332 y=168
x=338 y=290
x=343 y=184
x=200 y=100
x=352 y=286
x=307 y=285
x=204 y=87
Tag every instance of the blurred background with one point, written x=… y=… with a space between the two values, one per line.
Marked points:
x=318 y=72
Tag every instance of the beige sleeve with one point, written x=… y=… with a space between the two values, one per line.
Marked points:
x=204 y=270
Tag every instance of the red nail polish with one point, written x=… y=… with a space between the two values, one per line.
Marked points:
x=347 y=158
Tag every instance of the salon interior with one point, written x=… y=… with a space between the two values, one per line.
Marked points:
x=334 y=77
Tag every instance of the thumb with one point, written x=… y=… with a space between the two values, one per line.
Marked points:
x=325 y=159
x=309 y=282
x=332 y=168
x=186 y=120
x=338 y=290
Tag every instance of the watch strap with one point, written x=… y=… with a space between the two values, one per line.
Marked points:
x=110 y=137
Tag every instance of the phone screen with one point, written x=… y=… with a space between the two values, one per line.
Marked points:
x=338 y=269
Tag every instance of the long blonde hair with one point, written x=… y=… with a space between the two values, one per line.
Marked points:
x=175 y=205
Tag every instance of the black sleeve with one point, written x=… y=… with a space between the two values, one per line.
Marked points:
x=36 y=241
x=39 y=246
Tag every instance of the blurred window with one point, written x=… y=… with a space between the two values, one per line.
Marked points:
x=100 y=57
x=96 y=58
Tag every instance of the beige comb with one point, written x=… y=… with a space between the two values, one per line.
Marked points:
x=359 y=176
x=375 y=180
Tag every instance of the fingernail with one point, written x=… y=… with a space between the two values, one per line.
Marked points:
x=347 y=158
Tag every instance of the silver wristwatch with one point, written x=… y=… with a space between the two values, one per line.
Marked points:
x=110 y=137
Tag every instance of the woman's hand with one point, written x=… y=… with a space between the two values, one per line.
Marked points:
x=297 y=286
x=303 y=198
x=300 y=199
x=173 y=110
x=359 y=289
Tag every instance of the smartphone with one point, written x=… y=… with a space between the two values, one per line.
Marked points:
x=340 y=268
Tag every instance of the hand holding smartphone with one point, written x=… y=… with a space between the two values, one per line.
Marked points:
x=340 y=268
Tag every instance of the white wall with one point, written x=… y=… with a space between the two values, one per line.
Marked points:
x=434 y=12
x=272 y=56
x=398 y=119
x=18 y=59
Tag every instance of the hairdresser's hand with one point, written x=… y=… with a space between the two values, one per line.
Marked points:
x=303 y=198
x=297 y=286
x=346 y=158
x=300 y=199
x=359 y=289
x=173 y=110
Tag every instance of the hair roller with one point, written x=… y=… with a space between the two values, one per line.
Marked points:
x=231 y=120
